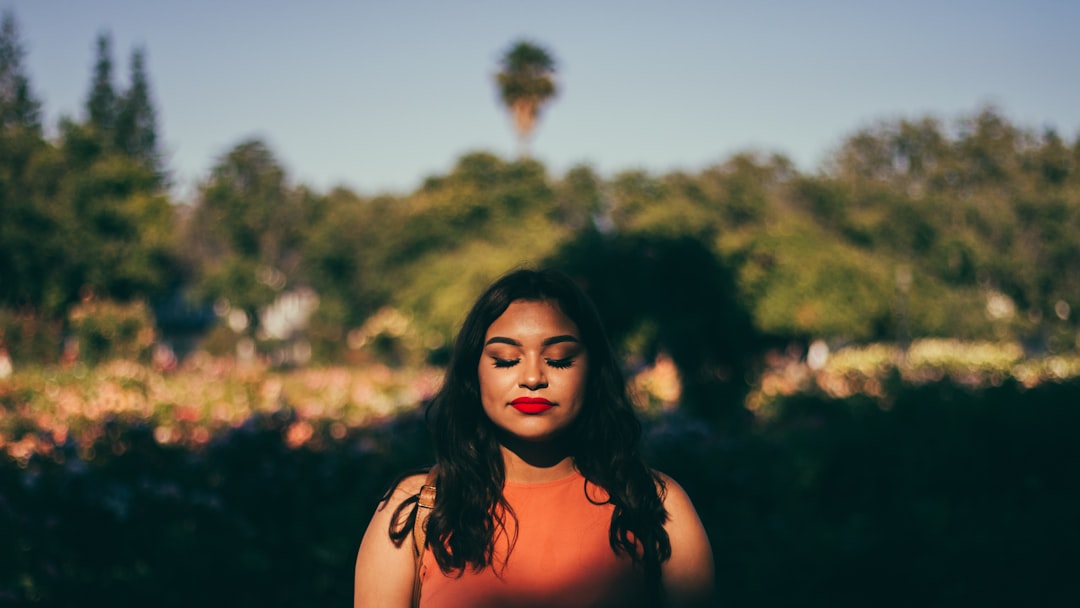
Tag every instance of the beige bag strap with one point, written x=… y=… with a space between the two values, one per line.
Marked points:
x=425 y=503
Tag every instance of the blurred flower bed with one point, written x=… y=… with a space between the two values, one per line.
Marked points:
x=44 y=409
x=869 y=370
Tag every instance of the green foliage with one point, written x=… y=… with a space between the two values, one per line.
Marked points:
x=579 y=198
x=136 y=123
x=121 y=122
x=461 y=231
x=31 y=237
x=343 y=251
x=101 y=102
x=79 y=214
x=29 y=337
x=18 y=106
x=79 y=219
x=816 y=256
x=102 y=330
x=21 y=223
x=245 y=233
x=828 y=202
x=118 y=226
x=984 y=208
x=799 y=282
x=670 y=207
x=747 y=189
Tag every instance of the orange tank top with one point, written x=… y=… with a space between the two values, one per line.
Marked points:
x=562 y=556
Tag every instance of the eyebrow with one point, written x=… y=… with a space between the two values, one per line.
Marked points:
x=547 y=342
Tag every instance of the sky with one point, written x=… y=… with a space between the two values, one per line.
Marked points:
x=377 y=95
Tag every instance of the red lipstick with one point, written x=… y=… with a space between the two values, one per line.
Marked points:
x=531 y=405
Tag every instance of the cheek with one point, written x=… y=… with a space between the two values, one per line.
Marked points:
x=483 y=382
x=492 y=382
x=581 y=382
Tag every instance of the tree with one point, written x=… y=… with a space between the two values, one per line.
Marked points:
x=526 y=82
x=101 y=103
x=136 y=123
x=106 y=201
x=672 y=294
x=121 y=122
x=580 y=198
x=245 y=232
x=18 y=107
x=24 y=227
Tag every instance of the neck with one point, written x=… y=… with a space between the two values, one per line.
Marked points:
x=527 y=462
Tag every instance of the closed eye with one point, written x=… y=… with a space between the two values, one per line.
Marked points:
x=561 y=363
x=499 y=362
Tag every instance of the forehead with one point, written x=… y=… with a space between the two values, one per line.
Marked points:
x=526 y=318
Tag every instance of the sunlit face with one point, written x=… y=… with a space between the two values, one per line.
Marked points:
x=532 y=371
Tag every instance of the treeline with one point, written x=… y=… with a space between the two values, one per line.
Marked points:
x=968 y=229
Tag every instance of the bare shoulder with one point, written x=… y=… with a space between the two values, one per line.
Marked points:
x=683 y=518
x=384 y=569
x=409 y=486
x=688 y=575
x=672 y=491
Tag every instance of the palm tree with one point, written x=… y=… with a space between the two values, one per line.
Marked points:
x=526 y=82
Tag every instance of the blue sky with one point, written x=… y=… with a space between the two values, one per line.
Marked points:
x=377 y=95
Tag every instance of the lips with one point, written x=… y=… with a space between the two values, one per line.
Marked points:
x=531 y=405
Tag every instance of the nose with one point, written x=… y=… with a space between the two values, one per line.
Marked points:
x=532 y=374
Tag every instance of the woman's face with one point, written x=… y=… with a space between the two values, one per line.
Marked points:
x=532 y=371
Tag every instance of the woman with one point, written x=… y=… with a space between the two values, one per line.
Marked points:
x=540 y=495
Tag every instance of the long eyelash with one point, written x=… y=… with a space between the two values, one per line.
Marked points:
x=561 y=363
x=505 y=362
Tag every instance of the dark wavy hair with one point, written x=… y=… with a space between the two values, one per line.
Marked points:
x=604 y=440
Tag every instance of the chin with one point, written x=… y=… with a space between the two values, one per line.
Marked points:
x=534 y=435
